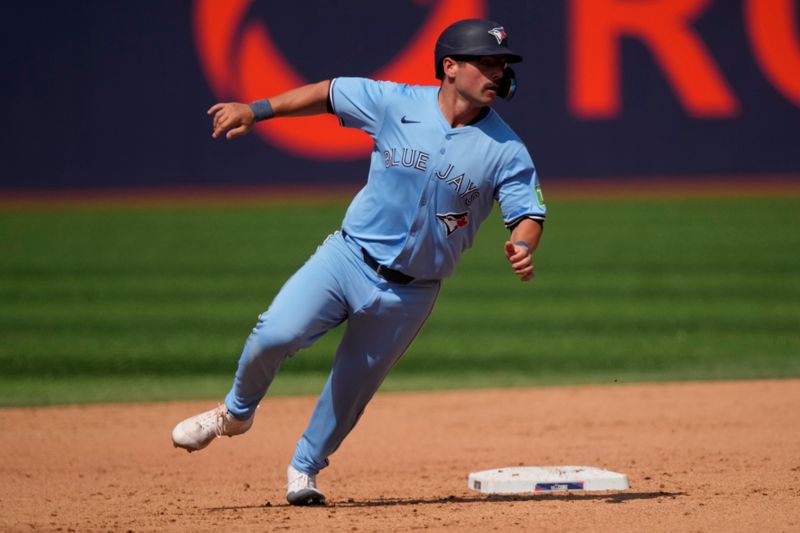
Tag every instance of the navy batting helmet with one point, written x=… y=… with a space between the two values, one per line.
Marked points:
x=472 y=37
x=475 y=38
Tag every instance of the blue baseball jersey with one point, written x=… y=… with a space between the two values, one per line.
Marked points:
x=430 y=185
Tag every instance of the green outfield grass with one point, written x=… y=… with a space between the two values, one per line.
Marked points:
x=155 y=303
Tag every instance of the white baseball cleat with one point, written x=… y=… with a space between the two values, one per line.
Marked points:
x=197 y=432
x=302 y=488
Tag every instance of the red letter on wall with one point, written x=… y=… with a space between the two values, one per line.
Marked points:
x=771 y=24
x=596 y=27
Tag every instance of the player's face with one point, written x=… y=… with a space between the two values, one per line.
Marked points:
x=477 y=78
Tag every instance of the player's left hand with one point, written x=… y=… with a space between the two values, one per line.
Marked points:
x=521 y=260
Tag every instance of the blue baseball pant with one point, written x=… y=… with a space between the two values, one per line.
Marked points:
x=334 y=285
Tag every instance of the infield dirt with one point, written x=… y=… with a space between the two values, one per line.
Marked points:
x=700 y=457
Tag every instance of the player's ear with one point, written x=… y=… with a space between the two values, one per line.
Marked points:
x=449 y=66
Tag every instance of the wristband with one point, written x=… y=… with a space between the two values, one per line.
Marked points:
x=262 y=109
x=523 y=243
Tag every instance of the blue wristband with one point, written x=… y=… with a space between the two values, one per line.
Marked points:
x=523 y=243
x=262 y=109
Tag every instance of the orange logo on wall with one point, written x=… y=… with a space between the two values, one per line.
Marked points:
x=667 y=27
x=243 y=63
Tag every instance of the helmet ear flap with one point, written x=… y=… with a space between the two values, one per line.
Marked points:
x=507 y=87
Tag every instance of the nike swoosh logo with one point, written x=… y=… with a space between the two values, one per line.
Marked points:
x=404 y=120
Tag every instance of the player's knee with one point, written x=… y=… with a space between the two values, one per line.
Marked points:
x=276 y=341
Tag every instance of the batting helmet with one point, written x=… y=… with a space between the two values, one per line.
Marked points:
x=472 y=37
x=475 y=38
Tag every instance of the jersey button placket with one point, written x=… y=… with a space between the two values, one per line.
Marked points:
x=443 y=149
x=423 y=202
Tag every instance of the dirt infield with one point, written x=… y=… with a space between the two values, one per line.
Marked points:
x=700 y=457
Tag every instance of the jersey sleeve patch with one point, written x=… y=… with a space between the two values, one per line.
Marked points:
x=519 y=193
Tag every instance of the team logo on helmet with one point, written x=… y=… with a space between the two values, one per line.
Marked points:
x=499 y=33
x=453 y=221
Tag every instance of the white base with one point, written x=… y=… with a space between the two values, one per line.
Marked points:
x=539 y=479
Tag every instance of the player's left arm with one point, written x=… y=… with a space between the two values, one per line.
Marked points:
x=520 y=247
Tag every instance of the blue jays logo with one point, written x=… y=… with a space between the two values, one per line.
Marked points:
x=499 y=33
x=453 y=221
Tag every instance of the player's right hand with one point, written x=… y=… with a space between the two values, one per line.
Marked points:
x=232 y=117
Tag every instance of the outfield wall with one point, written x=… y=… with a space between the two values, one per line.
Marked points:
x=114 y=92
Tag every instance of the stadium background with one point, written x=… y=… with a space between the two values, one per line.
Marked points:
x=114 y=93
x=106 y=300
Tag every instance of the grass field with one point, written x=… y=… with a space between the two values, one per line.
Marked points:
x=155 y=303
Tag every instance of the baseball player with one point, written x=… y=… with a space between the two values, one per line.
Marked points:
x=441 y=158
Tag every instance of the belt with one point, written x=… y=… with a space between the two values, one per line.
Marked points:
x=389 y=274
